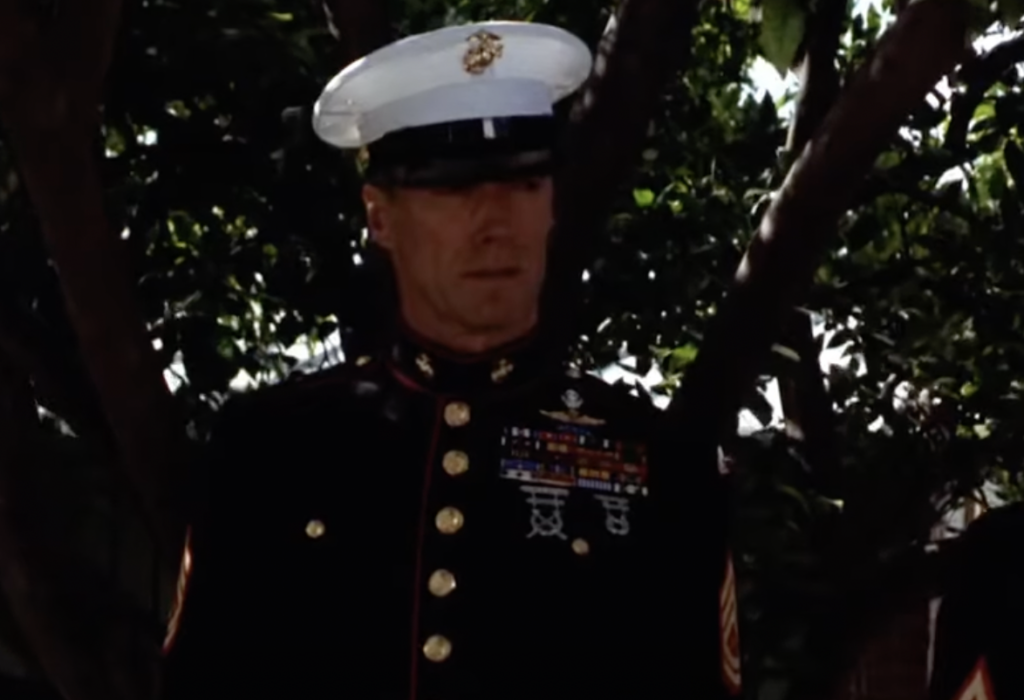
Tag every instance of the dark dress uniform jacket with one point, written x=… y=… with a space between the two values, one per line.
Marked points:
x=979 y=648
x=416 y=527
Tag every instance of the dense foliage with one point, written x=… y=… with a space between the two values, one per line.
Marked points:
x=246 y=239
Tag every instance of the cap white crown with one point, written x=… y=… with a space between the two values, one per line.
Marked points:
x=485 y=70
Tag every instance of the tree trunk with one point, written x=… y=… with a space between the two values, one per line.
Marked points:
x=894 y=664
x=51 y=73
x=82 y=636
x=360 y=26
x=926 y=42
x=806 y=404
x=645 y=44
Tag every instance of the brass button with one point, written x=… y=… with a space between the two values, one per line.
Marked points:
x=315 y=528
x=437 y=648
x=455 y=462
x=456 y=414
x=580 y=546
x=449 y=520
x=441 y=583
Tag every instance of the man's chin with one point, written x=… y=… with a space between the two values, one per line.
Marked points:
x=498 y=321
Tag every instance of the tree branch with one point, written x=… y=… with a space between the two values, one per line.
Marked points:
x=644 y=45
x=819 y=75
x=360 y=26
x=805 y=401
x=60 y=382
x=924 y=44
x=50 y=84
x=979 y=75
x=74 y=625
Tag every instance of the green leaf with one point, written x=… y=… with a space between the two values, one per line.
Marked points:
x=798 y=497
x=997 y=183
x=742 y=9
x=680 y=358
x=980 y=17
x=782 y=30
x=1014 y=158
x=643 y=198
x=758 y=404
x=1010 y=11
x=788 y=353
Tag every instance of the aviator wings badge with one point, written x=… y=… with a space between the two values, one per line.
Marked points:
x=573 y=402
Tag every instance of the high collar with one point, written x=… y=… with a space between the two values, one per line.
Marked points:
x=437 y=370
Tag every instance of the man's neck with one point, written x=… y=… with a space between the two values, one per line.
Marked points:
x=462 y=341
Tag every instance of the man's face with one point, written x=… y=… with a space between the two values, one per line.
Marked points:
x=468 y=261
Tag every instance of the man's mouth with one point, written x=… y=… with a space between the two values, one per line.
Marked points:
x=493 y=273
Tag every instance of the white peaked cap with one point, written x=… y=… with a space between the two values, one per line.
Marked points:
x=488 y=70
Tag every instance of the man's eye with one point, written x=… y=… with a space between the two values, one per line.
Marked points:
x=531 y=184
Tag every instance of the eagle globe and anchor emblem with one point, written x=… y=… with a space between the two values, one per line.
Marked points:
x=484 y=49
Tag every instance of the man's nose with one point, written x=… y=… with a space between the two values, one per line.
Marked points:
x=492 y=206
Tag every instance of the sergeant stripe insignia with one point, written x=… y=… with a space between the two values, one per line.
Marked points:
x=729 y=629
x=978 y=685
x=184 y=573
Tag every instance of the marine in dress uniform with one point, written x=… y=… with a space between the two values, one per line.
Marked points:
x=432 y=525
x=979 y=648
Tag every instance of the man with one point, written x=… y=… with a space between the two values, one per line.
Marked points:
x=979 y=648
x=461 y=517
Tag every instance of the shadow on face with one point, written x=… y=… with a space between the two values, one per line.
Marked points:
x=467 y=260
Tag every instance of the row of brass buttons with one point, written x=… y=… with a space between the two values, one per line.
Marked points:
x=448 y=521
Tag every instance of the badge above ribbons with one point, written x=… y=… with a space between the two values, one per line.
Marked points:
x=573 y=402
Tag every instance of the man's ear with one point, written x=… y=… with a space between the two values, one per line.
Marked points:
x=377 y=202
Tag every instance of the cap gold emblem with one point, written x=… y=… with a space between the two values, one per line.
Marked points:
x=484 y=49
